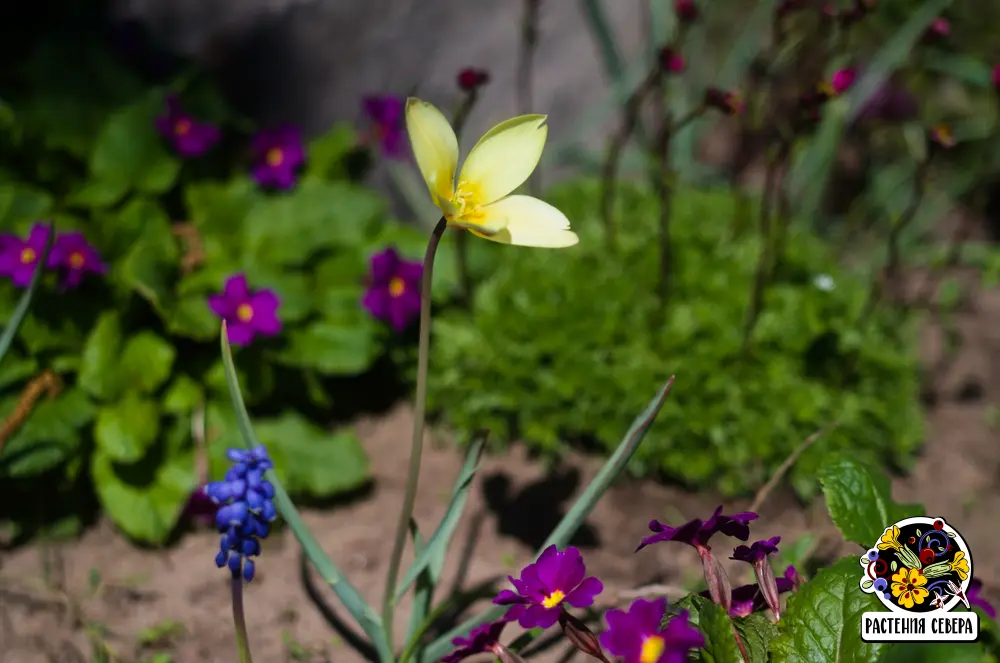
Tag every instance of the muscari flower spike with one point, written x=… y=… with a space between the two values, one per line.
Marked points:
x=636 y=636
x=556 y=578
x=385 y=112
x=479 y=200
x=188 y=136
x=393 y=293
x=75 y=256
x=246 y=509
x=756 y=555
x=482 y=639
x=247 y=313
x=278 y=154
x=19 y=257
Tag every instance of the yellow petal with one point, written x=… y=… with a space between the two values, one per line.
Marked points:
x=529 y=222
x=505 y=157
x=435 y=147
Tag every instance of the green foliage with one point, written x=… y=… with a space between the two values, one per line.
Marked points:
x=561 y=344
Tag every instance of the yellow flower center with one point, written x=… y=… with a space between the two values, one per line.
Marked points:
x=275 y=156
x=76 y=260
x=553 y=599
x=28 y=256
x=397 y=287
x=652 y=649
x=182 y=126
x=465 y=205
x=244 y=312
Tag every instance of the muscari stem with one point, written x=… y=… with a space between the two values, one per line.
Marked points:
x=239 y=620
x=417 y=444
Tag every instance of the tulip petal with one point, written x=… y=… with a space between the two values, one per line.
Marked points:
x=505 y=157
x=529 y=222
x=435 y=147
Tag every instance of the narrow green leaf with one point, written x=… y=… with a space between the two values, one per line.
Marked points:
x=367 y=618
x=434 y=552
x=570 y=523
x=859 y=500
x=747 y=45
x=717 y=627
x=964 y=68
x=422 y=592
x=24 y=303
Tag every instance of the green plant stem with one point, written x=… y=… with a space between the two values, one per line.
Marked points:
x=239 y=620
x=417 y=444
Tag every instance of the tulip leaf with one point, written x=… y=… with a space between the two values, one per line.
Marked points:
x=568 y=526
x=432 y=556
x=423 y=589
x=24 y=303
x=367 y=618
x=823 y=620
x=859 y=500
x=720 y=641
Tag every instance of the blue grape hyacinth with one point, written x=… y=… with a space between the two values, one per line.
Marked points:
x=246 y=509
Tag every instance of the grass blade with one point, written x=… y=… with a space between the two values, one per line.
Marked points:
x=10 y=331
x=367 y=618
x=432 y=556
x=425 y=584
x=572 y=520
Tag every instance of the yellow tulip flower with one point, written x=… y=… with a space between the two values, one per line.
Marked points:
x=480 y=201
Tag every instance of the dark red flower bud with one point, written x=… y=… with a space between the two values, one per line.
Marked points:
x=671 y=62
x=729 y=103
x=581 y=636
x=686 y=10
x=938 y=29
x=472 y=79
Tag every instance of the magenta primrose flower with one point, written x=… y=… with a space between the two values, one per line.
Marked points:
x=974 y=594
x=481 y=639
x=188 y=136
x=747 y=599
x=75 y=256
x=278 y=155
x=247 y=314
x=636 y=636
x=388 y=124
x=556 y=578
x=19 y=257
x=697 y=532
x=756 y=555
x=393 y=294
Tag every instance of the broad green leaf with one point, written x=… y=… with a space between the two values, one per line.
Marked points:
x=126 y=430
x=859 y=500
x=317 y=462
x=146 y=362
x=327 y=151
x=437 y=546
x=570 y=523
x=720 y=640
x=49 y=436
x=190 y=316
x=936 y=652
x=145 y=500
x=219 y=209
x=99 y=370
x=21 y=206
x=25 y=301
x=15 y=368
x=129 y=152
x=823 y=620
x=367 y=618
x=293 y=289
x=149 y=266
x=98 y=194
x=183 y=395
x=332 y=349
x=757 y=632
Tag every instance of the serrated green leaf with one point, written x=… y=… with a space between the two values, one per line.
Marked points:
x=936 y=652
x=859 y=500
x=757 y=632
x=146 y=362
x=718 y=629
x=823 y=620
x=99 y=373
x=127 y=429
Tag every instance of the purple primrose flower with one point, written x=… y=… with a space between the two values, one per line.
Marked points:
x=387 y=124
x=75 y=256
x=697 y=532
x=756 y=555
x=543 y=587
x=393 y=293
x=247 y=314
x=19 y=257
x=278 y=155
x=747 y=599
x=974 y=594
x=757 y=551
x=482 y=639
x=188 y=136
x=637 y=637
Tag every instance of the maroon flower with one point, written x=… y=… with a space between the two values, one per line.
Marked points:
x=74 y=256
x=247 y=313
x=471 y=79
x=481 y=639
x=940 y=28
x=686 y=10
x=393 y=293
x=188 y=136
x=387 y=124
x=19 y=257
x=278 y=155
x=671 y=61
x=637 y=637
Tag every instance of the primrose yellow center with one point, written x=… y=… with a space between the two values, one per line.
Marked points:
x=181 y=127
x=274 y=157
x=652 y=649
x=28 y=256
x=244 y=312
x=76 y=260
x=553 y=599
x=397 y=287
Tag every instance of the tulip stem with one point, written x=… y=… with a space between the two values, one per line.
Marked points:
x=239 y=620
x=417 y=445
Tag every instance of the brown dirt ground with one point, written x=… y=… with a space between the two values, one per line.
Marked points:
x=47 y=613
